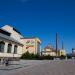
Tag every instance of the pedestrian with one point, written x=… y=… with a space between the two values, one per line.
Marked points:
x=6 y=62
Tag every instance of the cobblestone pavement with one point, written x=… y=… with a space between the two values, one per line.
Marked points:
x=45 y=67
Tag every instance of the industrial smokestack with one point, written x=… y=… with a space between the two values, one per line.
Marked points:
x=62 y=45
x=56 y=43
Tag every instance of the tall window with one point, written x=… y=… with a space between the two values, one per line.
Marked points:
x=2 y=44
x=15 y=49
x=9 y=48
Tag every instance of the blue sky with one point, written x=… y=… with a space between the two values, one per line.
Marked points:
x=41 y=18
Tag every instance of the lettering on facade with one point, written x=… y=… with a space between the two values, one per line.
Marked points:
x=30 y=43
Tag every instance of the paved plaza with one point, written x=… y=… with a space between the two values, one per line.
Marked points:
x=37 y=67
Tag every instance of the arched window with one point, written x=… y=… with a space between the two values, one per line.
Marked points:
x=9 y=48
x=2 y=44
x=15 y=49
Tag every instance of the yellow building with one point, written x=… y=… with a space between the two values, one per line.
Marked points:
x=62 y=52
x=31 y=44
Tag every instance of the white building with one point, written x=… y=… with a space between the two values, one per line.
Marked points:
x=10 y=45
x=13 y=44
x=48 y=50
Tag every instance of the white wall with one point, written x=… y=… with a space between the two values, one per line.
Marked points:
x=14 y=34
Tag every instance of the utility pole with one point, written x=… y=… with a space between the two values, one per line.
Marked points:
x=56 y=44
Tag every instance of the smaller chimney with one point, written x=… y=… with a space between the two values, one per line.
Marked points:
x=62 y=45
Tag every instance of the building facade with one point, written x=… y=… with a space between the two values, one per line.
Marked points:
x=13 y=44
x=73 y=52
x=61 y=52
x=31 y=44
x=10 y=46
x=48 y=50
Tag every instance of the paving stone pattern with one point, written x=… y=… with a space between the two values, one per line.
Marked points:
x=45 y=67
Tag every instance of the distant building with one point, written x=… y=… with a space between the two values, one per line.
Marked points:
x=73 y=50
x=31 y=44
x=61 y=52
x=48 y=50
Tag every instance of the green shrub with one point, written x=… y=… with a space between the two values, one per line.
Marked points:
x=69 y=56
x=28 y=55
x=48 y=57
x=62 y=57
x=25 y=55
x=32 y=56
